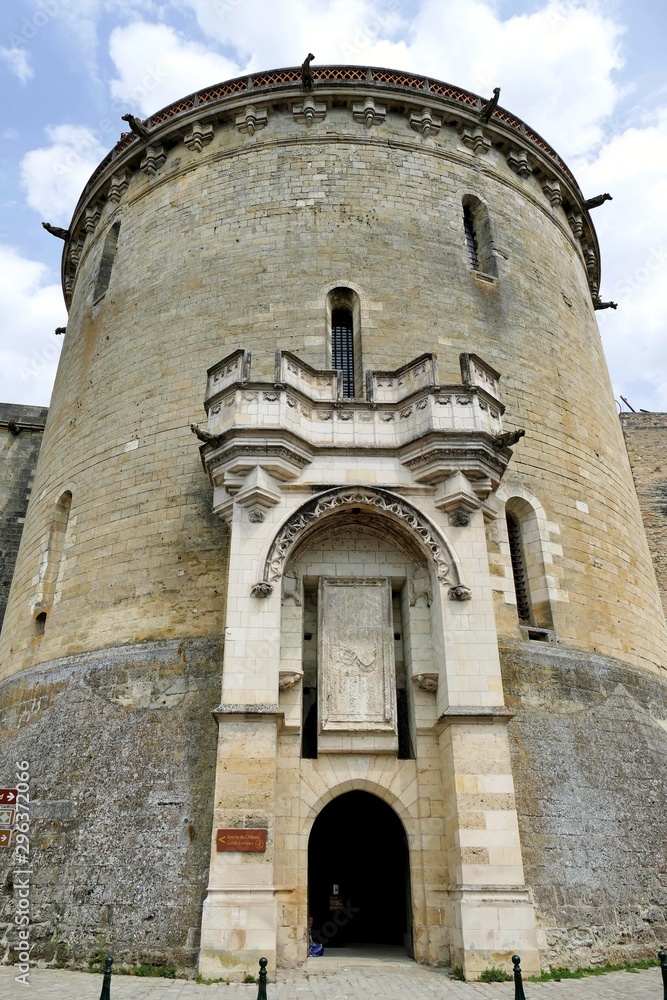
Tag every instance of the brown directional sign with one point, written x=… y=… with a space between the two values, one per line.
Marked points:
x=241 y=840
x=8 y=796
x=5 y=838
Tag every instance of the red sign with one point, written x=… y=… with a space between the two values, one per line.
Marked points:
x=8 y=796
x=5 y=838
x=241 y=840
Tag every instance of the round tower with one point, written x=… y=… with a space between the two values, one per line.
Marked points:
x=290 y=559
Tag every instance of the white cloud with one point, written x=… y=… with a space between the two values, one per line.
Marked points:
x=31 y=307
x=54 y=176
x=555 y=66
x=17 y=60
x=632 y=232
x=156 y=65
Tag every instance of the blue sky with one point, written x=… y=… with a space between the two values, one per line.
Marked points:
x=591 y=77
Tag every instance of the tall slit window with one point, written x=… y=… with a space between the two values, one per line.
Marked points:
x=471 y=239
x=106 y=262
x=342 y=347
x=519 y=572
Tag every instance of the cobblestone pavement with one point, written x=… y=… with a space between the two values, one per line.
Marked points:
x=337 y=981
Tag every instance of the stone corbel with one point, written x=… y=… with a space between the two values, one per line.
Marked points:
x=517 y=160
x=92 y=218
x=198 y=136
x=425 y=122
x=369 y=113
x=475 y=139
x=427 y=682
x=251 y=120
x=456 y=496
x=76 y=246
x=309 y=111
x=552 y=190
x=118 y=186
x=576 y=224
x=258 y=493
x=154 y=158
x=459 y=593
x=262 y=589
x=288 y=679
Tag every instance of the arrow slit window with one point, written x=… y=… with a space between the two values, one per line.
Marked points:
x=478 y=237
x=106 y=262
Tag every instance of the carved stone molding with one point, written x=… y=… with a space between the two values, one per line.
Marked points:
x=118 y=186
x=575 y=220
x=252 y=120
x=425 y=122
x=256 y=515
x=517 y=160
x=427 y=682
x=262 y=589
x=309 y=111
x=552 y=190
x=369 y=113
x=459 y=518
x=475 y=138
x=459 y=593
x=154 y=158
x=199 y=136
x=380 y=501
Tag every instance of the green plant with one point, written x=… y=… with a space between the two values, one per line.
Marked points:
x=61 y=954
x=210 y=982
x=249 y=978
x=457 y=973
x=494 y=975
x=598 y=970
x=160 y=971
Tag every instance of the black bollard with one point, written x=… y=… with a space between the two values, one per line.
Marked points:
x=106 y=984
x=663 y=968
x=261 y=989
x=518 y=981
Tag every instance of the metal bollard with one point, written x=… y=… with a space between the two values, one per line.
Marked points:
x=261 y=989
x=663 y=968
x=518 y=981
x=106 y=984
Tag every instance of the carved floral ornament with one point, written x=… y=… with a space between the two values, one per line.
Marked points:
x=381 y=501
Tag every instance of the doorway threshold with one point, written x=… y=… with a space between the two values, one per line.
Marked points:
x=356 y=955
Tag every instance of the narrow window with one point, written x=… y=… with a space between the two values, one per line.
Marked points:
x=343 y=351
x=478 y=237
x=471 y=239
x=106 y=262
x=54 y=562
x=342 y=347
x=519 y=570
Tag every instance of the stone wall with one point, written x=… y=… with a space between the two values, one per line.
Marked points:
x=646 y=440
x=21 y=429
x=589 y=748
x=121 y=799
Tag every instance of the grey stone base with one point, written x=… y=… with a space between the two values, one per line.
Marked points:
x=589 y=756
x=121 y=745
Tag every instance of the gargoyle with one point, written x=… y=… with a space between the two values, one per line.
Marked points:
x=136 y=125
x=206 y=436
x=490 y=106
x=60 y=330
x=507 y=439
x=62 y=234
x=307 y=78
x=599 y=304
x=598 y=200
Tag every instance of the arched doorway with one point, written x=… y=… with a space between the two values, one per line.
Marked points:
x=359 y=875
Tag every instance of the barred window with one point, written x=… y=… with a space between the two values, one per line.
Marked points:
x=342 y=347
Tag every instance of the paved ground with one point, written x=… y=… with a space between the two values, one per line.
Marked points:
x=336 y=980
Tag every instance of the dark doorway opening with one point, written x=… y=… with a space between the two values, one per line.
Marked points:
x=359 y=874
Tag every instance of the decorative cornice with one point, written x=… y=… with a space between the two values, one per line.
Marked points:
x=419 y=96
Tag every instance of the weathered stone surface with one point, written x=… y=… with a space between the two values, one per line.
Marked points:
x=589 y=747
x=121 y=746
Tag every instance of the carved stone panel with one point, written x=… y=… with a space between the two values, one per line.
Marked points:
x=356 y=656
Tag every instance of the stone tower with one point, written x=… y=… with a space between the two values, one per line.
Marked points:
x=362 y=652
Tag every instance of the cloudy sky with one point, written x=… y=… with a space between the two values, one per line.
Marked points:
x=591 y=77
